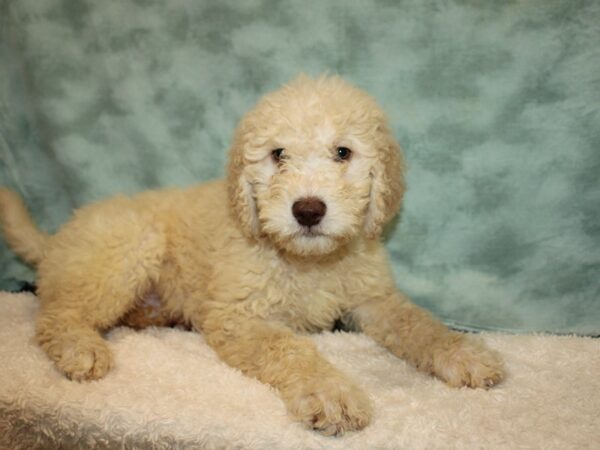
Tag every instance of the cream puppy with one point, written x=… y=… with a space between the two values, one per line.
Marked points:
x=286 y=245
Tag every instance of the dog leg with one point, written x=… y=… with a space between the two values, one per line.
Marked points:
x=413 y=334
x=314 y=391
x=87 y=283
x=77 y=349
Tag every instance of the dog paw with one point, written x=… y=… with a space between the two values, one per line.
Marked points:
x=464 y=360
x=80 y=362
x=330 y=406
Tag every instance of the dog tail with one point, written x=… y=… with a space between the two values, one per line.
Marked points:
x=21 y=234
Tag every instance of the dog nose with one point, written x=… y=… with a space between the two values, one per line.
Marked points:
x=308 y=211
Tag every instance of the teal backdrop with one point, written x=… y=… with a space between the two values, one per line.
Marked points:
x=496 y=104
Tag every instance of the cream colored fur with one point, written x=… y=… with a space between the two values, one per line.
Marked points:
x=229 y=259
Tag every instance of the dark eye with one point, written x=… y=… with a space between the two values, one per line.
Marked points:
x=343 y=153
x=278 y=154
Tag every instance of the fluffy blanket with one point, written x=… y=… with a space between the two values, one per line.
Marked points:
x=169 y=390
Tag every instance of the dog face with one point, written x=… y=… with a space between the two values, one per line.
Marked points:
x=313 y=166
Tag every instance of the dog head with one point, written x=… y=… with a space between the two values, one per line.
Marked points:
x=313 y=166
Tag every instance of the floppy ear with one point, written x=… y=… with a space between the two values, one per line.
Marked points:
x=388 y=185
x=241 y=198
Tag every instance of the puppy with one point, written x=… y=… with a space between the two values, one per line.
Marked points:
x=285 y=246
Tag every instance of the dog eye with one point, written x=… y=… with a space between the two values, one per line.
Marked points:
x=278 y=154
x=343 y=154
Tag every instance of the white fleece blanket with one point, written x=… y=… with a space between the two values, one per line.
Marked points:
x=169 y=390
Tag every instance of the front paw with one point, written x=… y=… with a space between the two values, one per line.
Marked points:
x=330 y=405
x=462 y=360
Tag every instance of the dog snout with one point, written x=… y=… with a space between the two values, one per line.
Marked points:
x=309 y=211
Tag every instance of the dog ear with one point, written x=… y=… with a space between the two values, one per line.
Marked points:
x=239 y=188
x=388 y=185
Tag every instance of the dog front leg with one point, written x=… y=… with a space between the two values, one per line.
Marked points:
x=314 y=391
x=412 y=333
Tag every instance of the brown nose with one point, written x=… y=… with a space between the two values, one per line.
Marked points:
x=308 y=211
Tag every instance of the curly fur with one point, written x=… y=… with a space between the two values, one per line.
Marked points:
x=229 y=259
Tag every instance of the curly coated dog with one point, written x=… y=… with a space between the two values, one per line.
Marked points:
x=286 y=245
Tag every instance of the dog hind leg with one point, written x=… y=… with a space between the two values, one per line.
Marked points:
x=87 y=284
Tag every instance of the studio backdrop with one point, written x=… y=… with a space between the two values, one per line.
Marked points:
x=496 y=104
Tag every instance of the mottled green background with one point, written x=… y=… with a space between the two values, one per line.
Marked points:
x=496 y=103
